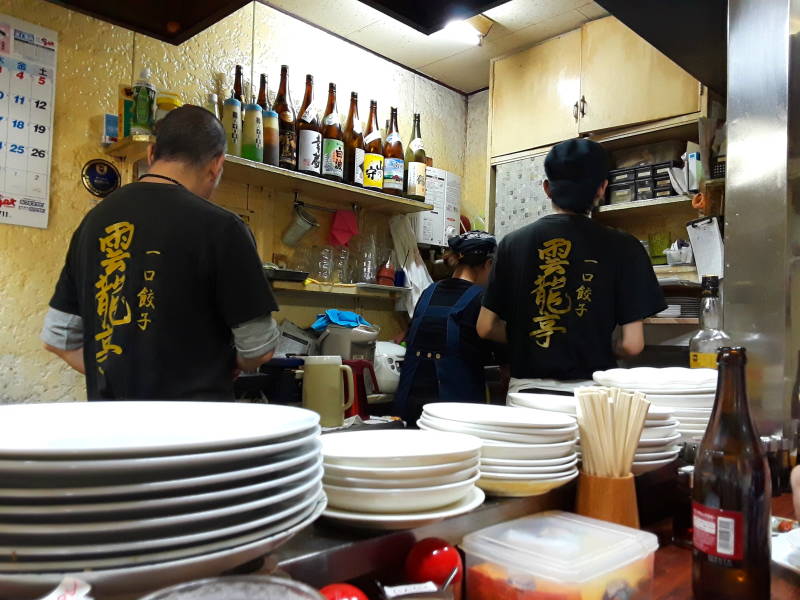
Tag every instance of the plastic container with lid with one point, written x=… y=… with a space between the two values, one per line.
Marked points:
x=559 y=556
x=165 y=102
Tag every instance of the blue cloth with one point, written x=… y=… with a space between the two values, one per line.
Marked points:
x=344 y=318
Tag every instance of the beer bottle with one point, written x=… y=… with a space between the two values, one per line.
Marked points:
x=262 y=93
x=373 y=146
x=286 y=123
x=237 y=83
x=731 y=496
x=415 y=164
x=703 y=345
x=353 y=145
x=309 y=136
x=332 y=139
x=393 y=161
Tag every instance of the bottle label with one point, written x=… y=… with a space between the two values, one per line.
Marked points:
x=358 y=166
x=333 y=157
x=331 y=119
x=393 y=173
x=373 y=170
x=416 y=145
x=416 y=179
x=357 y=126
x=309 y=115
x=703 y=360
x=718 y=532
x=392 y=138
x=288 y=146
x=375 y=135
x=287 y=116
x=309 y=151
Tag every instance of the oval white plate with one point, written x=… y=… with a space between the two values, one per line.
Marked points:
x=399 y=472
x=470 y=502
x=154 y=467
x=669 y=440
x=526 y=451
x=520 y=488
x=644 y=467
x=398 y=447
x=547 y=462
x=427 y=424
x=660 y=455
x=397 y=500
x=658 y=433
x=527 y=477
x=660 y=381
x=690 y=402
x=660 y=422
x=144 y=548
x=690 y=421
x=486 y=470
x=412 y=482
x=148 y=488
x=124 y=429
x=459 y=426
x=552 y=402
x=485 y=415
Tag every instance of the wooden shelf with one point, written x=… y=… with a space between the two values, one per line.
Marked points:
x=680 y=272
x=640 y=205
x=241 y=170
x=131 y=148
x=363 y=290
x=672 y=321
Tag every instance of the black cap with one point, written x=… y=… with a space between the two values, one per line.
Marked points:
x=575 y=169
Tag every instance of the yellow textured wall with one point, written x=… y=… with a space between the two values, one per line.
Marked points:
x=94 y=58
x=473 y=193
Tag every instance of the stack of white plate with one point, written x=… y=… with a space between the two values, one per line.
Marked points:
x=687 y=393
x=525 y=452
x=399 y=479
x=134 y=496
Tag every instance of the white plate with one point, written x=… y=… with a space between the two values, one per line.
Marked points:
x=397 y=500
x=146 y=550
x=786 y=550
x=459 y=426
x=518 y=488
x=658 y=413
x=399 y=472
x=668 y=380
x=689 y=402
x=644 y=467
x=527 y=477
x=152 y=488
x=120 y=429
x=398 y=447
x=661 y=454
x=133 y=581
x=510 y=450
x=551 y=402
x=114 y=471
x=487 y=470
x=153 y=507
x=102 y=531
x=669 y=440
x=412 y=482
x=658 y=433
x=548 y=462
x=693 y=421
x=470 y=502
x=690 y=412
x=486 y=415
x=660 y=422
x=487 y=434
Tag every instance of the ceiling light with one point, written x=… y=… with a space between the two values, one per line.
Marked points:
x=469 y=31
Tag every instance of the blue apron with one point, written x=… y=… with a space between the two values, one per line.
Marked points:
x=459 y=379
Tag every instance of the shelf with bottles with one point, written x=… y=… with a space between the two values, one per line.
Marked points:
x=672 y=321
x=369 y=290
x=133 y=147
x=639 y=205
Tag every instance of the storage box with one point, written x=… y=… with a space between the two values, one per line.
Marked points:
x=559 y=556
x=620 y=176
x=644 y=189
x=645 y=172
x=663 y=187
x=662 y=169
x=621 y=192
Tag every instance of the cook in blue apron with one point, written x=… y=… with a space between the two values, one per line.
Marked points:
x=445 y=357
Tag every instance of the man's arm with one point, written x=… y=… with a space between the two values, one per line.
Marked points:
x=62 y=335
x=491 y=327
x=74 y=358
x=255 y=342
x=631 y=342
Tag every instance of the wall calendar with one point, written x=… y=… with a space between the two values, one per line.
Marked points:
x=27 y=104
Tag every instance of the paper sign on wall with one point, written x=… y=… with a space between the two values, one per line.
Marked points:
x=27 y=105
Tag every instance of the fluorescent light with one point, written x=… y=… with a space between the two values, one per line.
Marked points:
x=461 y=31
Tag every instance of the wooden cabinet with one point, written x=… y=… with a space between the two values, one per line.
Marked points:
x=534 y=94
x=613 y=76
x=625 y=80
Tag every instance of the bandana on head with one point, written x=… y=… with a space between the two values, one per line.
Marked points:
x=473 y=242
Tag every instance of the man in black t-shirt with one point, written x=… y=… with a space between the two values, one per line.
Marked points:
x=163 y=295
x=561 y=286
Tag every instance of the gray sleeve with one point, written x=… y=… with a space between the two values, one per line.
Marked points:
x=256 y=337
x=62 y=330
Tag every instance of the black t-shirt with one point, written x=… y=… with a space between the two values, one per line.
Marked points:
x=562 y=284
x=160 y=276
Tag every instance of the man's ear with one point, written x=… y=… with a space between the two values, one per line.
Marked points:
x=217 y=165
x=546 y=186
x=150 y=155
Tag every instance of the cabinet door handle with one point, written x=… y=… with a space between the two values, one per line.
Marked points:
x=583 y=106
x=575 y=111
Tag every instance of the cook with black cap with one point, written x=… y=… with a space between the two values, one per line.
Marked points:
x=562 y=285
x=444 y=356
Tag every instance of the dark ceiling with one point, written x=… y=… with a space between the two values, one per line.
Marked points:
x=428 y=16
x=173 y=21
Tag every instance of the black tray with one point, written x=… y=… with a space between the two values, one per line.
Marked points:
x=285 y=275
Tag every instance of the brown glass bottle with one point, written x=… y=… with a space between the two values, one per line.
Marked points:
x=393 y=158
x=415 y=164
x=237 y=83
x=731 y=496
x=309 y=135
x=262 y=93
x=373 y=150
x=286 y=123
x=332 y=139
x=353 y=145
